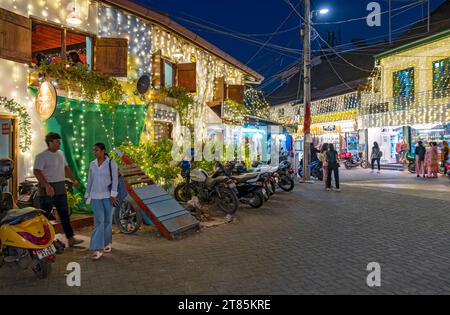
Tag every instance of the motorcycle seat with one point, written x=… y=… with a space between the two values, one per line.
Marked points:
x=16 y=216
x=210 y=181
x=244 y=177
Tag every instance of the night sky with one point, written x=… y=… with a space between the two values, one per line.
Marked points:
x=251 y=20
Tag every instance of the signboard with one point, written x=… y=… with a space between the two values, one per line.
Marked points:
x=46 y=101
x=329 y=128
x=5 y=129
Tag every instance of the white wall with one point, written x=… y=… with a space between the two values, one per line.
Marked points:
x=55 y=11
x=15 y=87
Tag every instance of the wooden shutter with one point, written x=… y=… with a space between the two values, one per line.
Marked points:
x=157 y=68
x=15 y=37
x=187 y=76
x=219 y=89
x=111 y=56
x=236 y=93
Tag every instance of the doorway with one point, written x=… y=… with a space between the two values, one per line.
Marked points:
x=9 y=146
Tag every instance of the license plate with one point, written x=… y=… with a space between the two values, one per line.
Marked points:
x=232 y=185
x=42 y=253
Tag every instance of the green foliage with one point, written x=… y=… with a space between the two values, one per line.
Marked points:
x=256 y=104
x=234 y=112
x=74 y=200
x=89 y=84
x=155 y=160
x=184 y=104
x=24 y=121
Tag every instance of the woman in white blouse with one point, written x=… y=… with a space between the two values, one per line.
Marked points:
x=102 y=191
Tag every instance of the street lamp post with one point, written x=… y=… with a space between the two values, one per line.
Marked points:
x=307 y=86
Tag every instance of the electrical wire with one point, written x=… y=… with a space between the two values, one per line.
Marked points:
x=270 y=38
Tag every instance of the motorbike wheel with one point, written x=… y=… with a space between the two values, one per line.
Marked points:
x=127 y=219
x=272 y=187
x=183 y=192
x=365 y=164
x=347 y=165
x=265 y=194
x=42 y=268
x=286 y=183
x=256 y=200
x=412 y=168
x=226 y=201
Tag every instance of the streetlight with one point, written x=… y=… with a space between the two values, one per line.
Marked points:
x=307 y=85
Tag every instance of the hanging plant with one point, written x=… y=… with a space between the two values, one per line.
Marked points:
x=90 y=85
x=24 y=121
x=184 y=104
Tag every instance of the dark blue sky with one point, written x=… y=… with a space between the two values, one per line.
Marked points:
x=259 y=17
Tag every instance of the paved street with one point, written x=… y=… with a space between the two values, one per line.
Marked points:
x=306 y=242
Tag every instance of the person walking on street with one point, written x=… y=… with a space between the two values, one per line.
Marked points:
x=420 y=159
x=102 y=191
x=323 y=159
x=376 y=156
x=333 y=167
x=51 y=169
x=445 y=151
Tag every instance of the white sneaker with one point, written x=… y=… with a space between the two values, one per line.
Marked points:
x=328 y=189
x=338 y=189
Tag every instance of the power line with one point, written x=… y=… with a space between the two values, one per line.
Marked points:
x=270 y=38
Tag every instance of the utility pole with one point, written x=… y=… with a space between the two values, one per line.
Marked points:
x=307 y=88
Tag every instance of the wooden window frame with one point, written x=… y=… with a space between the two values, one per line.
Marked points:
x=64 y=31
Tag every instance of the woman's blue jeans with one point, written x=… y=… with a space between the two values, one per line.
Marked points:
x=102 y=235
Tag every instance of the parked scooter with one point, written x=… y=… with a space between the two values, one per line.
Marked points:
x=354 y=161
x=210 y=189
x=315 y=169
x=249 y=187
x=284 y=176
x=26 y=236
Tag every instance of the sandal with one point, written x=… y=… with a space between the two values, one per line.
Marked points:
x=107 y=249
x=97 y=255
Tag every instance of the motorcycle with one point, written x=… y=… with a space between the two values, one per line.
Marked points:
x=354 y=161
x=284 y=176
x=214 y=190
x=249 y=188
x=315 y=167
x=411 y=163
x=26 y=235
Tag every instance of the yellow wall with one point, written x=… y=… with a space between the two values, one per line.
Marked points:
x=421 y=58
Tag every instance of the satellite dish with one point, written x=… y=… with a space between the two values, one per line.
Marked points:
x=143 y=84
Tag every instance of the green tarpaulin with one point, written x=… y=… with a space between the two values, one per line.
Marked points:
x=81 y=125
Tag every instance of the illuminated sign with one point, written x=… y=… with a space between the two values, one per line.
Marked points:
x=46 y=101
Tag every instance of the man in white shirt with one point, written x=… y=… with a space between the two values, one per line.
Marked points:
x=51 y=169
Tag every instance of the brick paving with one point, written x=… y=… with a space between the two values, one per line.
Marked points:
x=305 y=242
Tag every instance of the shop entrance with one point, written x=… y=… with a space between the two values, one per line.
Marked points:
x=8 y=146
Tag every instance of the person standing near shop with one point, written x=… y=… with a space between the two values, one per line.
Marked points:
x=323 y=159
x=333 y=166
x=434 y=157
x=51 y=169
x=376 y=156
x=102 y=191
x=420 y=159
x=445 y=151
